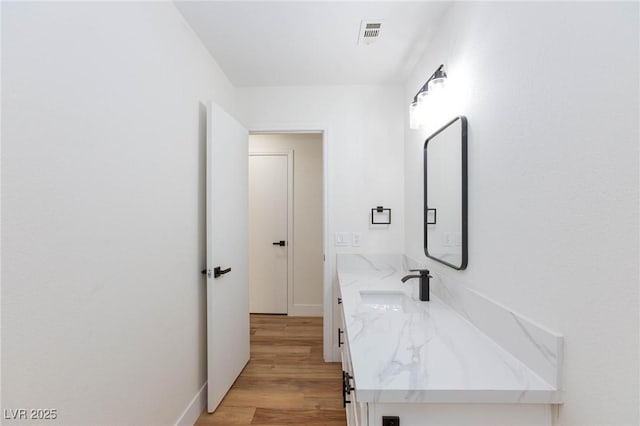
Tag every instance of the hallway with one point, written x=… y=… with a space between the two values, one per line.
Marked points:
x=286 y=381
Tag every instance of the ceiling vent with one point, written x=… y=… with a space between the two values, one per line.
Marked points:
x=369 y=32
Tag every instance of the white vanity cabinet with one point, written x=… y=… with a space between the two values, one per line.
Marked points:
x=426 y=364
x=356 y=411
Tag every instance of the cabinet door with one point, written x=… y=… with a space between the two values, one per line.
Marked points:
x=357 y=412
x=361 y=413
x=351 y=407
x=351 y=415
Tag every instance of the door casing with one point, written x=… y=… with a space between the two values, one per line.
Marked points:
x=330 y=350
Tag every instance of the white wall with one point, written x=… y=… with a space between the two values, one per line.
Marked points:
x=1 y=97
x=364 y=132
x=103 y=304
x=307 y=239
x=551 y=94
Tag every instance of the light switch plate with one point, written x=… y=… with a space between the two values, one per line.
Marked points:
x=342 y=238
x=355 y=239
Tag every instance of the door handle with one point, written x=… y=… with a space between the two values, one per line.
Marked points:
x=217 y=271
x=204 y=271
x=280 y=243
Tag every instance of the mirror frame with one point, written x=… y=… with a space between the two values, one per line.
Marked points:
x=464 y=191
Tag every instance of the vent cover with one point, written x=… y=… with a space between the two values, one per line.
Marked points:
x=369 y=31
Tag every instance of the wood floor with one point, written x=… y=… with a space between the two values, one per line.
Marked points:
x=286 y=381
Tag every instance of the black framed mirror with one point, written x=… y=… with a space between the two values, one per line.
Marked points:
x=445 y=194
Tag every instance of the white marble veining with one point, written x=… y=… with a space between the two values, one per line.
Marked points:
x=414 y=351
x=537 y=347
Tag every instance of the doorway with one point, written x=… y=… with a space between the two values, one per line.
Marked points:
x=286 y=223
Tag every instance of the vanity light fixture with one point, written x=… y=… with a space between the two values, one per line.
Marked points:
x=434 y=83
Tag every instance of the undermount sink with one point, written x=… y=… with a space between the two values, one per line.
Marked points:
x=386 y=301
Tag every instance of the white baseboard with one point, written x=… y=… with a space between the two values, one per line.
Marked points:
x=301 y=310
x=196 y=407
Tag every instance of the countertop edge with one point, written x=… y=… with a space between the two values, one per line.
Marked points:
x=459 y=396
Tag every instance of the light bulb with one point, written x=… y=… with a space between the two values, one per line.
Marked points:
x=413 y=115
x=422 y=97
x=437 y=84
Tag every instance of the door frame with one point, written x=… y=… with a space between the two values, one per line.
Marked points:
x=290 y=217
x=330 y=352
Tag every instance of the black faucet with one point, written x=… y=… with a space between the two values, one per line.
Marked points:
x=424 y=282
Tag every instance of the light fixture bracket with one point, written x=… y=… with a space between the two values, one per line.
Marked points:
x=439 y=73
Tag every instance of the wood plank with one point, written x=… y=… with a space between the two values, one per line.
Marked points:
x=280 y=350
x=297 y=417
x=225 y=415
x=313 y=387
x=322 y=402
x=252 y=398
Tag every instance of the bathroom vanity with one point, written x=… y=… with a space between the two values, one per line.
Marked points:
x=458 y=359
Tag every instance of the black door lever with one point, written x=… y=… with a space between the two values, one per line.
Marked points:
x=217 y=271
x=280 y=243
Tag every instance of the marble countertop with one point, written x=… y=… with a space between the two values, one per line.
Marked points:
x=429 y=353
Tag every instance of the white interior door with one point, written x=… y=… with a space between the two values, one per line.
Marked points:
x=268 y=232
x=227 y=253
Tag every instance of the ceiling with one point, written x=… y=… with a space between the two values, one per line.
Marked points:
x=268 y=43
